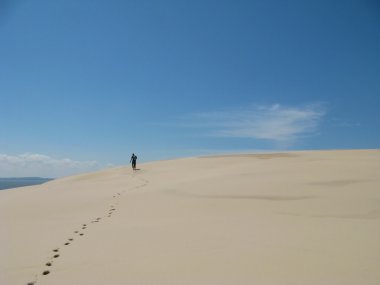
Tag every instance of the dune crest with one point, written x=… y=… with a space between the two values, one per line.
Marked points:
x=287 y=218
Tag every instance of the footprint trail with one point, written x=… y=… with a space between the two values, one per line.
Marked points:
x=111 y=210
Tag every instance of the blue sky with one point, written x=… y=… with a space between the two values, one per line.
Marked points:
x=83 y=84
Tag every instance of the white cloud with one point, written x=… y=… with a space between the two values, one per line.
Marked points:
x=275 y=122
x=29 y=164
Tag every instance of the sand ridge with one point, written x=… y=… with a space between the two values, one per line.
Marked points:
x=306 y=218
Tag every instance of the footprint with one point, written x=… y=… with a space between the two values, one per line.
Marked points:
x=48 y=264
x=31 y=283
x=56 y=256
x=76 y=232
x=46 y=272
x=71 y=239
x=67 y=243
x=81 y=234
x=56 y=250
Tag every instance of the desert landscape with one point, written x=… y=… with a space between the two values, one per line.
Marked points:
x=294 y=218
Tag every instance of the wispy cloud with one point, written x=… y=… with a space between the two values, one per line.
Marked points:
x=29 y=164
x=283 y=124
x=344 y=123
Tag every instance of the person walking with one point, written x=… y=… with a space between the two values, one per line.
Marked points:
x=133 y=160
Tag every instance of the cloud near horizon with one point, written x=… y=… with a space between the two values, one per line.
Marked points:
x=277 y=123
x=28 y=164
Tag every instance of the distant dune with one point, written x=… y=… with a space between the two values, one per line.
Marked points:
x=296 y=218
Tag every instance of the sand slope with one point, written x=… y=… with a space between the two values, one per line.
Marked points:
x=295 y=218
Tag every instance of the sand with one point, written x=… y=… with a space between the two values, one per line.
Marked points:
x=289 y=218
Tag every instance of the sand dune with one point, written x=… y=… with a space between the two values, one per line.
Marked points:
x=288 y=218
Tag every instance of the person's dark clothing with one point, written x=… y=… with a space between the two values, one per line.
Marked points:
x=133 y=160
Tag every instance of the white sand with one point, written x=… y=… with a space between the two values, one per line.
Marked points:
x=298 y=218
